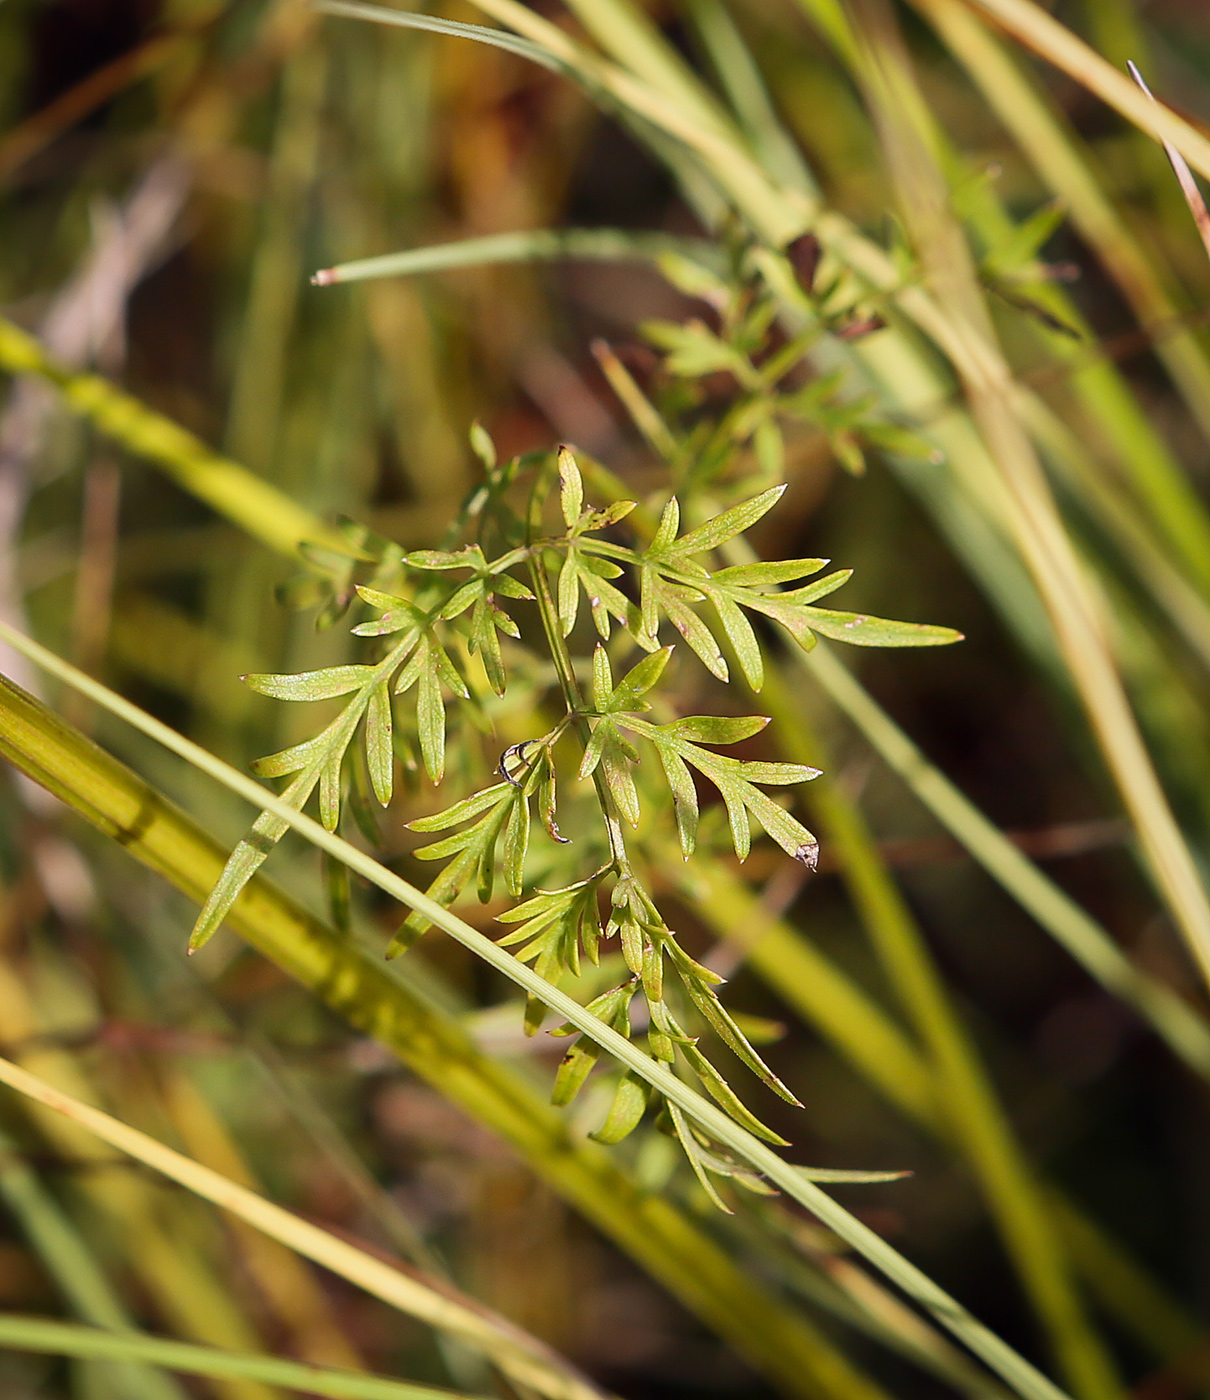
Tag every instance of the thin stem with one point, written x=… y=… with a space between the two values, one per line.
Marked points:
x=402 y=1011
x=573 y=697
x=1019 y=1373
x=574 y=700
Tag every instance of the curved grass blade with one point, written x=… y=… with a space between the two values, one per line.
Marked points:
x=1025 y=1378
x=47 y=1335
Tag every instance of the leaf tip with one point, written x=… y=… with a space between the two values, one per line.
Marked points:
x=808 y=854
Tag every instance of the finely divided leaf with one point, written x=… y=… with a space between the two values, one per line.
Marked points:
x=463 y=811
x=715 y=729
x=741 y=636
x=684 y=797
x=626 y=1112
x=291 y=760
x=430 y=723
x=665 y=533
x=637 y=681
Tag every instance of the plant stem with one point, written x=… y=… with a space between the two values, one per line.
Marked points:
x=383 y=1002
x=1019 y=1373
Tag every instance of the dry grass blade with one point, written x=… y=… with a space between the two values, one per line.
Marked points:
x=519 y=1356
x=383 y=1002
x=1193 y=196
x=1037 y=30
x=1020 y=1374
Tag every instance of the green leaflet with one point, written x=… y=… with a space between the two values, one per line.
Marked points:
x=571 y=488
x=474 y=850
x=613 y=1007
x=627 y=694
x=1014 y=253
x=741 y=636
x=767 y=573
x=707 y=1162
x=626 y=1112
x=718 y=729
x=673 y=585
x=311 y=685
x=693 y=350
x=679 y=744
x=417 y=658
x=379 y=752
x=865 y=631
x=724 y=527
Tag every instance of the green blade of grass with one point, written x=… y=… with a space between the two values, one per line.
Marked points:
x=1033 y=27
x=71 y=1264
x=1029 y=509
x=965 y=1093
x=383 y=1001
x=266 y=513
x=92 y=1343
x=1020 y=1374
x=518 y=1356
x=1174 y=1020
x=1054 y=154
x=889 y=1060
x=528 y=245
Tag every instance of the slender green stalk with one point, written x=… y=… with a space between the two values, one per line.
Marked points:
x=862 y=1033
x=91 y=1343
x=1053 y=151
x=1029 y=509
x=517 y=1356
x=528 y=245
x=965 y=1094
x=1034 y=28
x=266 y=513
x=385 y=1002
x=1177 y=1023
x=1020 y=1374
x=71 y=1264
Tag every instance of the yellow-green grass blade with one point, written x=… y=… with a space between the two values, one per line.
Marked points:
x=1053 y=151
x=1030 y=25
x=865 y=1035
x=1020 y=1374
x=266 y=513
x=74 y=1269
x=966 y=1095
x=1174 y=1020
x=1072 y=600
x=526 y=245
x=520 y=1357
x=384 y=1002
x=27 y=1333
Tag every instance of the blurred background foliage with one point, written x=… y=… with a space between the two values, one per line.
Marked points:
x=171 y=174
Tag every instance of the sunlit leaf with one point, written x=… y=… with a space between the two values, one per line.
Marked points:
x=380 y=754
x=571 y=488
x=430 y=723
x=865 y=631
x=626 y=1112
x=730 y=523
x=311 y=685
